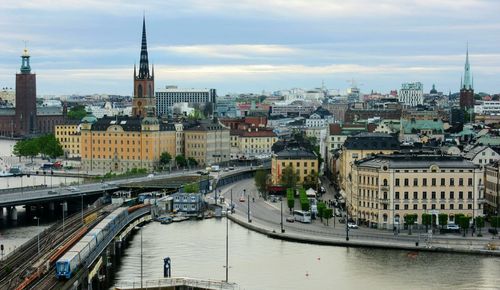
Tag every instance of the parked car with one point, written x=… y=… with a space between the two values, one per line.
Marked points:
x=72 y=188
x=342 y=221
x=452 y=227
x=290 y=219
x=273 y=198
x=352 y=225
x=242 y=199
x=231 y=168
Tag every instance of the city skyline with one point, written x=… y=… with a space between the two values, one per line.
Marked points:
x=250 y=46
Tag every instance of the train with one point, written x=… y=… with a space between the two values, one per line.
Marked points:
x=73 y=259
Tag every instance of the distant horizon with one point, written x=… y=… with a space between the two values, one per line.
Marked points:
x=80 y=47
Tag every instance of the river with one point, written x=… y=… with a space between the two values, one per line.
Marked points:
x=197 y=249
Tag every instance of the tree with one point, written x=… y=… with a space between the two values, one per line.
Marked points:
x=289 y=177
x=18 y=149
x=50 y=146
x=196 y=115
x=321 y=208
x=443 y=220
x=180 y=160
x=410 y=220
x=328 y=214
x=290 y=199
x=305 y=204
x=495 y=222
x=165 y=159
x=261 y=177
x=77 y=112
x=464 y=222
x=192 y=162
x=311 y=180
x=31 y=148
x=192 y=187
x=480 y=225
x=426 y=220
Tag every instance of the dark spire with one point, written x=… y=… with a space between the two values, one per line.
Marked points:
x=144 y=63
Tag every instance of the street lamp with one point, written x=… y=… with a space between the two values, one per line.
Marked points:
x=227 y=245
x=282 y=229
x=248 y=202
x=38 y=233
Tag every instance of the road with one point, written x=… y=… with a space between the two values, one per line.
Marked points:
x=267 y=215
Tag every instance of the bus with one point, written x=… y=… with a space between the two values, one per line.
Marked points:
x=302 y=216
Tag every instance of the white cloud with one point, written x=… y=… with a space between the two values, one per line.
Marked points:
x=239 y=51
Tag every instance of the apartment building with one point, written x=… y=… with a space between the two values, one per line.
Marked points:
x=208 y=142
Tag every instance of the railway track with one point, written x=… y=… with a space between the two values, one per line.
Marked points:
x=23 y=263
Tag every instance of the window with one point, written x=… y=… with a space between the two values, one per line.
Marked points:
x=452 y=195
x=415 y=181
x=424 y=182
x=406 y=206
x=469 y=195
x=397 y=206
x=443 y=182
x=469 y=206
x=406 y=194
x=442 y=195
x=424 y=206
x=433 y=206
x=452 y=181
x=452 y=206
x=415 y=206
x=460 y=206
x=385 y=182
x=397 y=181
x=433 y=195
x=469 y=183
x=460 y=195
x=434 y=182
x=407 y=181
x=424 y=195
x=442 y=206
x=460 y=182
x=415 y=195
x=397 y=195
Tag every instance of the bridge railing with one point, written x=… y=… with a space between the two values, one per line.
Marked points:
x=175 y=282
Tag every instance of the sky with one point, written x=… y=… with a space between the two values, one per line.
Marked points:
x=90 y=46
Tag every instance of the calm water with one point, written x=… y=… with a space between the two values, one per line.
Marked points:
x=197 y=249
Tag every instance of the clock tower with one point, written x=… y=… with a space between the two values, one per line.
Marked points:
x=144 y=95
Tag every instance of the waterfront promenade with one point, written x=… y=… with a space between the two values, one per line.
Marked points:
x=265 y=218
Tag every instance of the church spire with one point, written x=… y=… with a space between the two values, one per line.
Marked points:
x=25 y=65
x=144 y=63
x=467 y=83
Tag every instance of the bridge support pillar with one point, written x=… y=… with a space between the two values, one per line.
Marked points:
x=51 y=206
x=13 y=213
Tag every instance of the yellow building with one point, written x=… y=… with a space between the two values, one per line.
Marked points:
x=303 y=162
x=68 y=136
x=252 y=143
x=207 y=142
x=360 y=146
x=492 y=188
x=118 y=144
x=388 y=187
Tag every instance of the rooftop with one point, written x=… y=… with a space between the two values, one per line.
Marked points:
x=293 y=153
x=401 y=161
x=371 y=141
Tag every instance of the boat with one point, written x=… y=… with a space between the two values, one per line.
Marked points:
x=179 y=219
x=208 y=215
x=6 y=174
x=166 y=220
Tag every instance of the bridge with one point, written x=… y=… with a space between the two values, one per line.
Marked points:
x=77 y=195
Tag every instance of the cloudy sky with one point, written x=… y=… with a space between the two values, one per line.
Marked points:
x=90 y=46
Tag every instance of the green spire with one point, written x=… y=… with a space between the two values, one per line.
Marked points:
x=467 y=82
x=25 y=66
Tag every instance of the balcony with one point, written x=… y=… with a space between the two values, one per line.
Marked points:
x=383 y=200
x=384 y=187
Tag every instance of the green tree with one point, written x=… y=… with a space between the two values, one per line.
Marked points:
x=289 y=177
x=261 y=178
x=165 y=159
x=192 y=187
x=495 y=222
x=464 y=222
x=321 y=208
x=480 y=225
x=328 y=214
x=290 y=198
x=31 y=148
x=192 y=162
x=77 y=112
x=443 y=220
x=410 y=220
x=50 y=146
x=304 y=200
x=180 y=160
x=18 y=149
x=196 y=115
x=311 y=180
x=426 y=220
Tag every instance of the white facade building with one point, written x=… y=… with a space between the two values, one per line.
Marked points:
x=166 y=98
x=488 y=108
x=412 y=94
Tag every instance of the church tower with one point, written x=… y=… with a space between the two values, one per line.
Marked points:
x=467 y=86
x=25 y=98
x=144 y=95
